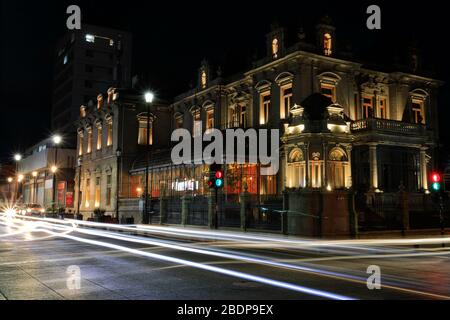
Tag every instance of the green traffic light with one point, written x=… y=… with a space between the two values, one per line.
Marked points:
x=436 y=186
x=219 y=183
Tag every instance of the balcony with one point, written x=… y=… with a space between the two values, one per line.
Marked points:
x=387 y=127
x=233 y=125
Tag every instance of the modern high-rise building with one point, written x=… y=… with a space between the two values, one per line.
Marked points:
x=88 y=61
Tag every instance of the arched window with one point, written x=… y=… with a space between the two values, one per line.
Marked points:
x=296 y=156
x=327 y=44
x=337 y=154
x=339 y=172
x=296 y=170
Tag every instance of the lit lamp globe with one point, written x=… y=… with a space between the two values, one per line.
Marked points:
x=17 y=157
x=57 y=139
x=54 y=169
x=149 y=96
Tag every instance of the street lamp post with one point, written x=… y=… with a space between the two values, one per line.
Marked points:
x=10 y=180
x=118 y=172
x=56 y=141
x=17 y=159
x=34 y=174
x=80 y=161
x=148 y=99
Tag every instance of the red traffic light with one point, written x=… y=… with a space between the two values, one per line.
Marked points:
x=435 y=177
x=210 y=183
x=219 y=175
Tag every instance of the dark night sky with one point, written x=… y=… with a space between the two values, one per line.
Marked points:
x=171 y=39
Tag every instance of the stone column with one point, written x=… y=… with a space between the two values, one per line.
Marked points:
x=325 y=169
x=349 y=175
x=373 y=167
x=307 y=175
x=423 y=169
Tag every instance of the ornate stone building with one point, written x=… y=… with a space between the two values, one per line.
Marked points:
x=111 y=136
x=345 y=127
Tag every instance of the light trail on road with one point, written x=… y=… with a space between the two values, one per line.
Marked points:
x=277 y=242
x=251 y=259
x=236 y=274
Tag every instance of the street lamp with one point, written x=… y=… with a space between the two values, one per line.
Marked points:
x=34 y=174
x=118 y=173
x=17 y=159
x=149 y=97
x=57 y=139
x=80 y=163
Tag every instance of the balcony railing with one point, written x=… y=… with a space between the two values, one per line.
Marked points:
x=233 y=125
x=387 y=126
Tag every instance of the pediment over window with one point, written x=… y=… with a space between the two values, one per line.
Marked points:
x=419 y=93
x=329 y=78
x=284 y=78
x=195 y=109
x=263 y=85
x=208 y=105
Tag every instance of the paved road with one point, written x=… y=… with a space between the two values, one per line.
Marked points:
x=36 y=259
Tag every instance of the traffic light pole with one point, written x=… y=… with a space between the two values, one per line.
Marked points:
x=216 y=211
x=441 y=214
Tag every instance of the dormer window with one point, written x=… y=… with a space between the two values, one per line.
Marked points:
x=99 y=101
x=110 y=95
x=204 y=79
x=275 y=48
x=327 y=44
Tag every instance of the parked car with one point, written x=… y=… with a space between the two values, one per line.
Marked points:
x=34 y=210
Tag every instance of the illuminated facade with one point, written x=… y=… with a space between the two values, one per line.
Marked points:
x=112 y=134
x=344 y=127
